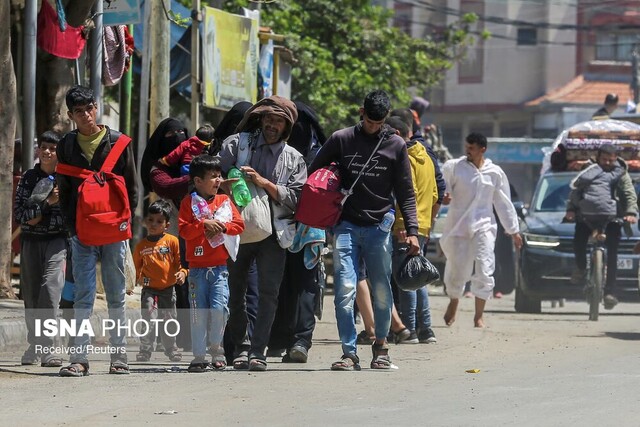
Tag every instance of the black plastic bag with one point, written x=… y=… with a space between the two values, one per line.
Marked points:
x=411 y=272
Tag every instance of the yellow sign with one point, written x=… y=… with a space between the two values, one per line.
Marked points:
x=230 y=53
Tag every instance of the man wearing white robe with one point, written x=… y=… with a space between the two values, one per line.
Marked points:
x=476 y=186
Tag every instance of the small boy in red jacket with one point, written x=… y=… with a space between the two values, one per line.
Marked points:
x=208 y=276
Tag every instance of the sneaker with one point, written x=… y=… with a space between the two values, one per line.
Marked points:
x=578 y=277
x=610 y=301
x=427 y=336
x=402 y=336
x=297 y=354
x=411 y=339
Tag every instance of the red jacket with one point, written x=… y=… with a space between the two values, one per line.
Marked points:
x=199 y=252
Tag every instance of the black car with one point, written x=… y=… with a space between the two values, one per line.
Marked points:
x=546 y=260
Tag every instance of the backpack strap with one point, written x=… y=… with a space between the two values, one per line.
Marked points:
x=74 y=171
x=244 y=149
x=383 y=136
x=116 y=151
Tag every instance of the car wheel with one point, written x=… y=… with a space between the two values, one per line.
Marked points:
x=525 y=303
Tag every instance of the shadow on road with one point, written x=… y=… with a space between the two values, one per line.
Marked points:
x=624 y=336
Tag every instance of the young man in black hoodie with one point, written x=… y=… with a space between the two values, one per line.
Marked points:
x=361 y=231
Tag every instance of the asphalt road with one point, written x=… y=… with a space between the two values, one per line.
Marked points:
x=551 y=369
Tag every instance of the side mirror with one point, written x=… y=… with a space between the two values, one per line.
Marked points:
x=521 y=210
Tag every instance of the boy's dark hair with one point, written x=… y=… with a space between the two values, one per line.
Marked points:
x=611 y=99
x=398 y=124
x=607 y=149
x=79 y=95
x=477 y=138
x=205 y=133
x=405 y=114
x=160 y=207
x=49 y=136
x=377 y=105
x=202 y=164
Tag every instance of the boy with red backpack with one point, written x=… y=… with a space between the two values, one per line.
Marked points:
x=98 y=191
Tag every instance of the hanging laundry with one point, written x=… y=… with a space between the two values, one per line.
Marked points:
x=115 y=52
x=64 y=44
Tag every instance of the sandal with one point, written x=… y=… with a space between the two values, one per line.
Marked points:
x=219 y=363
x=75 y=370
x=348 y=362
x=119 y=368
x=257 y=364
x=241 y=361
x=173 y=355
x=51 y=363
x=199 y=365
x=381 y=359
x=364 y=338
x=143 y=356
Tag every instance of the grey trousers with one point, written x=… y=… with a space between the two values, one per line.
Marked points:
x=158 y=304
x=270 y=260
x=42 y=266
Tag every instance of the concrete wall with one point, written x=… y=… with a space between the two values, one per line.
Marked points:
x=515 y=74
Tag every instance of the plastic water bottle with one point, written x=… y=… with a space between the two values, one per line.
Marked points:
x=388 y=220
x=239 y=189
x=201 y=211
x=42 y=190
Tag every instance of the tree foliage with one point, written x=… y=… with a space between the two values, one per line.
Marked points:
x=346 y=48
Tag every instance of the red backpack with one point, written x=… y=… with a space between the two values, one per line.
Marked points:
x=103 y=215
x=323 y=198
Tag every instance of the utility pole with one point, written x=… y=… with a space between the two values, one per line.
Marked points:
x=96 y=58
x=159 y=33
x=29 y=86
x=635 y=74
x=125 y=97
x=196 y=19
x=143 y=112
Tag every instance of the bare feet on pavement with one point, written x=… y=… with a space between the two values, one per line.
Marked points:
x=450 y=314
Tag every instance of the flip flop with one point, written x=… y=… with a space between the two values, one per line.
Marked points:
x=51 y=363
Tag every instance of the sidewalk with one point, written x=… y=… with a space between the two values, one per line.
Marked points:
x=13 y=330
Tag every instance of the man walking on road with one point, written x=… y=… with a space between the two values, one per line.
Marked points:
x=360 y=231
x=476 y=186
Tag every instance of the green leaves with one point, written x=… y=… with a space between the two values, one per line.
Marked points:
x=346 y=48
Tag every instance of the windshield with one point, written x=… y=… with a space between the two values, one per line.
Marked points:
x=552 y=193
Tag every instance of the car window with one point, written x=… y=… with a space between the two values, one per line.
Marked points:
x=552 y=194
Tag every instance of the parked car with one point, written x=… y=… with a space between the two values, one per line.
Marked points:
x=546 y=260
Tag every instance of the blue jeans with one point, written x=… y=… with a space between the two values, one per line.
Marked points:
x=374 y=246
x=209 y=299
x=84 y=260
x=414 y=308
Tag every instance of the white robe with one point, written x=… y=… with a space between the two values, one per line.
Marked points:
x=469 y=234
